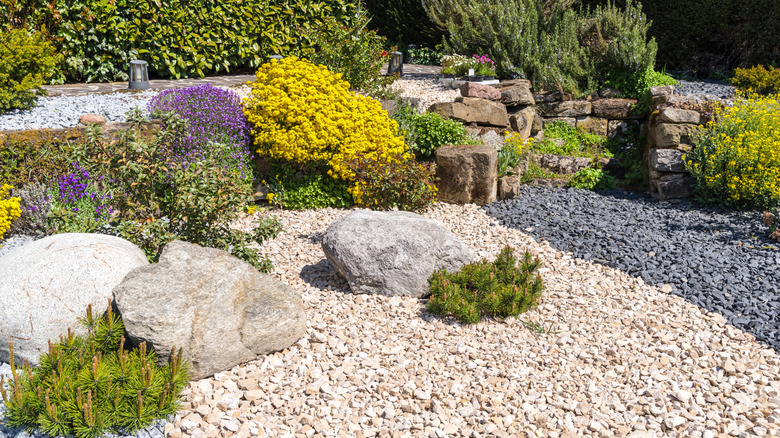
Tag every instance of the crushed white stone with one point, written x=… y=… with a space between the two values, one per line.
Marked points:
x=623 y=358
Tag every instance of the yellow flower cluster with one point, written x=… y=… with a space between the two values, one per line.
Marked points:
x=737 y=159
x=516 y=141
x=303 y=113
x=9 y=209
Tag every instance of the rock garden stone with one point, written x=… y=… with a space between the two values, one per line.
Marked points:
x=508 y=187
x=561 y=164
x=480 y=91
x=669 y=135
x=467 y=174
x=571 y=121
x=609 y=93
x=675 y=189
x=620 y=128
x=391 y=253
x=473 y=110
x=666 y=160
x=92 y=119
x=594 y=125
x=676 y=115
x=220 y=310
x=522 y=122
x=568 y=108
x=519 y=94
x=48 y=284
x=615 y=108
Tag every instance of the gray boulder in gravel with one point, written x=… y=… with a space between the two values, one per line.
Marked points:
x=220 y=310
x=48 y=284
x=391 y=253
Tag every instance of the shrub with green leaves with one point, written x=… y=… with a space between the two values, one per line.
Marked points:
x=27 y=61
x=92 y=385
x=577 y=143
x=505 y=287
x=426 y=132
x=352 y=50
x=592 y=179
x=636 y=85
x=300 y=191
x=402 y=183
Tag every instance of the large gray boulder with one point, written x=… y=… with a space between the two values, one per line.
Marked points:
x=220 y=310
x=48 y=284
x=391 y=252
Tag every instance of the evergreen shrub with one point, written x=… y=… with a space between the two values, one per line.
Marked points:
x=505 y=287
x=27 y=61
x=92 y=385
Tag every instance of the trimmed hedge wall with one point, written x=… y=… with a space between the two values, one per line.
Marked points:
x=711 y=36
x=178 y=38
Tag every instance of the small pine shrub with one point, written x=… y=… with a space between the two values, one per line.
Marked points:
x=502 y=288
x=9 y=209
x=306 y=115
x=592 y=179
x=27 y=61
x=92 y=385
x=353 y=51
x=401 y=183
x=736 y=160
x=510 y=155
x=757 y=80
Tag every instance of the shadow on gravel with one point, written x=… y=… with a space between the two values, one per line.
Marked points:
x=324 y=276
x=721 y=260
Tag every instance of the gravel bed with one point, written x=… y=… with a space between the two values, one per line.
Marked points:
x=64 y=111
x=424 y=92
x=720 y=260
x=715 y=88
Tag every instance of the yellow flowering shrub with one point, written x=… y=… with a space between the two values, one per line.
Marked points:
x=302 y=113
x=757 y=80
x=736 y=161
x=9 y=209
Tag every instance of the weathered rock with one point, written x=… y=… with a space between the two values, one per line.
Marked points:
x=594 y=125
x=675 y=189
x=508 y=187
x=220 y=310
x=48 y=284
x=538 y=124
x=92 y=119
x=548 y=97
x=389 y=106
x=613 y=166
x=515 y=95
x=491 y=138
x=609 y=93
x=696 y=98
x=472 y=110
x=615 y=108
x=660 y=95
x=568 y=108
x=571 y=121
x=621 y=128
x=510 y=82
x=673 y=134
x=675 y=115
x=467 y=174
x=391 y=253
x=479 y=91
x=666 y=160
x=562 y=164
x=522 y=122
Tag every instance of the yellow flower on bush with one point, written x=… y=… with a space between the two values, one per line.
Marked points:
x=303 y=113
x=736 y=161
x=9 y=209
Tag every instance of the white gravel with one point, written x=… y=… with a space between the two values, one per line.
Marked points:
x=425 y=92
x=625 y=358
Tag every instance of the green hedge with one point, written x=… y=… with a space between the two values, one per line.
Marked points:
x=177 y=38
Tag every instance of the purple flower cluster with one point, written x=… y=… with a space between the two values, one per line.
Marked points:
x=214 y=115
x=73 y=188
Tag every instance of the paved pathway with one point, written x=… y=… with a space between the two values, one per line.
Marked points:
x=224 y=81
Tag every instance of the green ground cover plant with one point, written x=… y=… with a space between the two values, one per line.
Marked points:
x=736 y=160
x=577 y=143
x=637 y=84
x=592 y=179
x=92 y=385
x=505 y=287
x=300 y=191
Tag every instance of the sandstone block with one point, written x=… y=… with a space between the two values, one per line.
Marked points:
x=675 y=115
x=568 y=108
x=615 y=108
x=562 y=164
x=675 y=189
x=594 y=125
x=467 y=174
x=668 y=135
x=666 y=160
x=479 y=91
x=519 y=94
x=522 y=122
x=92 y=119
x=473 y=110
x=508 y=187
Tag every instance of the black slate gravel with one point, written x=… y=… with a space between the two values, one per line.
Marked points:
x=721 y=260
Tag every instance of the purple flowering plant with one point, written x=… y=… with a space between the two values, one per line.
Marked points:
x=80 y=203
x=214 y=117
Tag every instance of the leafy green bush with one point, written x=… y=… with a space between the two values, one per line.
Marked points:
x=27 y=61
x=402 y=183
x=757 y=80
x=736 y=161
x=592 y=179
x=577 y=143
x=425 y=56
x=352 y=50
x=36 y=157
x=91 y=385
x=99 y=38
x=502 y=288
x=637 y=85
x=306 y=191
x=547 y=42
x=426 y=132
